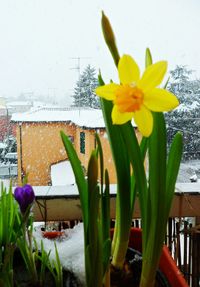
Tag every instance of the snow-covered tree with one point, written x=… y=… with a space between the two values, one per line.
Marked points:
x=186 y=118
x=84 y=95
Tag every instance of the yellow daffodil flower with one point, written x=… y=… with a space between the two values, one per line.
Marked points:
x=137 y=96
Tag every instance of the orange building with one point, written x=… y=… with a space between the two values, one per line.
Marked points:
x=39 y=144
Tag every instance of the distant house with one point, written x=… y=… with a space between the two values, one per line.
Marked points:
x=6 y=110
x=6 y=128
x=18 y=106
x=11 y=107
x=39 y=145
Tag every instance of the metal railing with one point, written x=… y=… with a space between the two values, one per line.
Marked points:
x=183 y=241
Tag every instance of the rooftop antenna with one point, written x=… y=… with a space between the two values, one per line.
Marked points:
x=78 y=69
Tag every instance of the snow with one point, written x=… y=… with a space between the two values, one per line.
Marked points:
x=89 y=118
x=62 y=174
x=189 y=169
x=70 y=249
x=184 y=107
x=193 y=187
x=5 y=182
x=63 y=191
x=11 y=155
x=71 y=190
x=194 y=178
x=18 y=103
x=37 y=104
x=3 y=145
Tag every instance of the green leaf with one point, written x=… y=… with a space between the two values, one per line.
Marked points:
x=105 y=218
x=155 y=224
x=100 y=151
x=94 y=238
x=157 y=165
x=106 y=254
x=173 y=164
x=93 y=216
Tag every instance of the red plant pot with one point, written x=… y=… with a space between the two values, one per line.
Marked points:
x=52 y=234
x=167 y=264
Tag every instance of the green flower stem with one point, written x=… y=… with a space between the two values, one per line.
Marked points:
x=106 y=280
x=122 y=165
x=137 y=162
x=126 y=190
x=149 y=281
x=123 y=219
x=151 y=255
x=115 y=234
x=120 y=251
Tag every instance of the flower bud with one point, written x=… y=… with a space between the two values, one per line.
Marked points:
x=107 y=29
x=109 y=38
x=25 y=196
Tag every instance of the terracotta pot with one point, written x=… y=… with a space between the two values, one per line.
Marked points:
x=52 y=234
x=167 y=264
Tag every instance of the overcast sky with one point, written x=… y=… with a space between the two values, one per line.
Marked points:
x=39 y=38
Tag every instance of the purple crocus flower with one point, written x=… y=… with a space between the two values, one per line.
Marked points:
x=25 y=196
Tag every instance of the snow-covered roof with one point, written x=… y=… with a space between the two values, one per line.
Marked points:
x=44 y=105
x=19 y=103
x=62 y=174
x=91 y=118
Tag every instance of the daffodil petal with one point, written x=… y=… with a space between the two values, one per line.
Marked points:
x=160 y=100
x=144 y=120
x=107 y=91
x=120 y=118
x=128 y=69
x=153 y=76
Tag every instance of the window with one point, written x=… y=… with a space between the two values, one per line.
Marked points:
x=82 y=142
